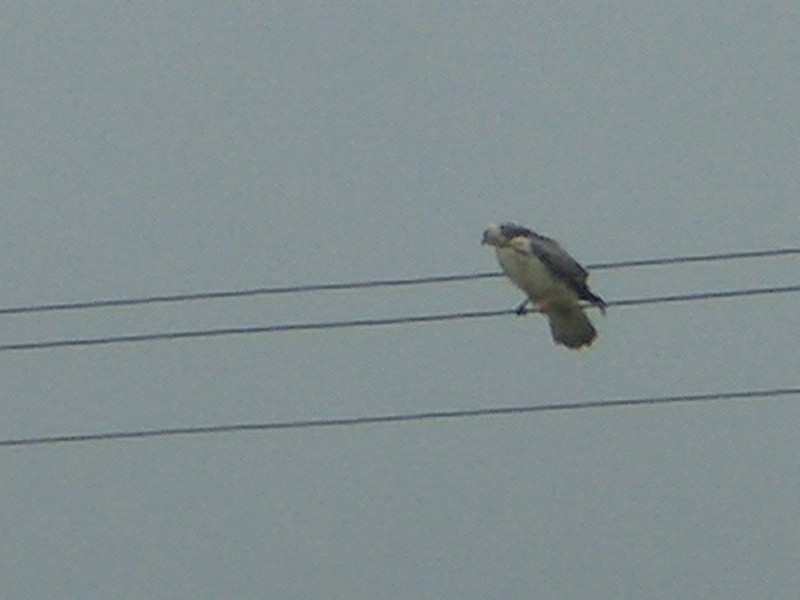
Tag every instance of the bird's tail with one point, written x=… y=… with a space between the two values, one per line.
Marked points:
x=570 y=326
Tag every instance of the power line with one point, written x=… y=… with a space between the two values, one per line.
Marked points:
x=398 y=418
x=375 y=283
x=697 y=258
x=287 y=327
x=706 y=296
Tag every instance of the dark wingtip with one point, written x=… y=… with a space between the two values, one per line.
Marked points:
x=600 y=303
x=596 y=301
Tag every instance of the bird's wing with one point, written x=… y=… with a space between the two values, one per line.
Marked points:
x=564 y=267
x=560 y=264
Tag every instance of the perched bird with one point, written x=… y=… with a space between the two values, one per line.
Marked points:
x=550 y=278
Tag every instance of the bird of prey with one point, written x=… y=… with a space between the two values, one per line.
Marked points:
x=550 y=278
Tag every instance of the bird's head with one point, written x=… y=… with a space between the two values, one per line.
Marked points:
x=494 y=236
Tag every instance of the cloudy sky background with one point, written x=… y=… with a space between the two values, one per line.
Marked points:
x=155 y=149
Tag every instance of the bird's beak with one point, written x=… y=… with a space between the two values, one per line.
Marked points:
x=485 y=238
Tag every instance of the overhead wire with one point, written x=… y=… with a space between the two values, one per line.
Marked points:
x=395 y=418
x=326 y=325
x=375 y=283
x=381 y=419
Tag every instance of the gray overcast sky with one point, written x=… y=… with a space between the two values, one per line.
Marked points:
x=154 y=148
